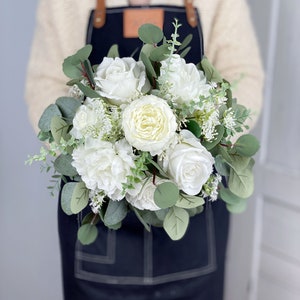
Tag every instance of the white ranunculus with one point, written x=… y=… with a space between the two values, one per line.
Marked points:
x=188 y=164
x=182 y=82
x=121 y=79
x=142 y=197
x=149 y=124
x=104 y=166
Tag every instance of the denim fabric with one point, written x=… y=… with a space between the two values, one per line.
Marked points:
x=131 y=263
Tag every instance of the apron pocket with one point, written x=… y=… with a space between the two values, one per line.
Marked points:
x=133 y=256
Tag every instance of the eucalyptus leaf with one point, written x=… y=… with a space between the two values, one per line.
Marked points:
x=88 y=91
x=194 y=127
x=72 y=64
x=160 y=53
x=195 y=211
x=148 y=65
x=141 y=219
x=221 y=166
x=246 y=145
x=237 y=208
x=45 y=120
x=187 y=201
x=63 y=165
x=59 y=128
x=89 y=72
x=161 y=214
x=150 y=217
x=147 y=49
x=185 y=42
x=83 y=53
x=176 y=223
x=166 y=194
x=185 y=52
x=87 y=234
x=66 y=196
x=70 y=70
x=68 y=107
x=80 y=197
x=44 y=136
x=116 y=211
x=241 y=183
x=230 y=198
x=91 y=218
x=239 y=163
x=210 y=72
x=150 y=34
x=113 y=51
x=115 y=226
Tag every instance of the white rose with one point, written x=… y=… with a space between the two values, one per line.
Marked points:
x=188 y=164
x=181 y=81
x=142 y=197
x=149 y=124
x=104 y=166
x=121 y=79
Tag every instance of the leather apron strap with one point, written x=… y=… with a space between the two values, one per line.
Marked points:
x=100 y=13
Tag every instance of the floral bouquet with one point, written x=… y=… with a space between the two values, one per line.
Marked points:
x=153 y=136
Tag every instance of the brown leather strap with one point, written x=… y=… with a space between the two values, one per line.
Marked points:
x=190 y=13
x=100 y=14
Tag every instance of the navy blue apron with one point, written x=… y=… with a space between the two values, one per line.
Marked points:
x=131 y=263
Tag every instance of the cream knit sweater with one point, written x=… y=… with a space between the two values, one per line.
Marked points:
x=229 y=41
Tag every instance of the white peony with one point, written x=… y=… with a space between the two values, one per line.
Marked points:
x=188 y=164
x=121 y=79
x=182 y=82
x=149 y=124
x=104 y=166
x=142 y=197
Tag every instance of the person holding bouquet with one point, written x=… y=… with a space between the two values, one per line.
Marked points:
x=131 y=262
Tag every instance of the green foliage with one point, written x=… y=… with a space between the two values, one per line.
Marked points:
x=246 y=145
x=62 y=165
x=59 y=129
x=150 y=34
x=68 y=107
x=241 y=182
x=87 y=234
x=176 y=222
x=188 y=202
x=88 y=91
x=80 y=197
x=159 y=53
x=74 y=197
x=113 y=51
x=194 y=127
x=210 y=71
x=166 y=195
x=116 y=211
x=72 y=65
x=45 y=120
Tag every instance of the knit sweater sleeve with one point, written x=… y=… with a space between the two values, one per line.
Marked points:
x=233 y=49
x=59 y=32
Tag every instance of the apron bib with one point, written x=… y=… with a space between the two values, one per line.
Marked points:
x=131 y=263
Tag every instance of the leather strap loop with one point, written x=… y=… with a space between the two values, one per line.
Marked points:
x=190 y=13
x=100 y=13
